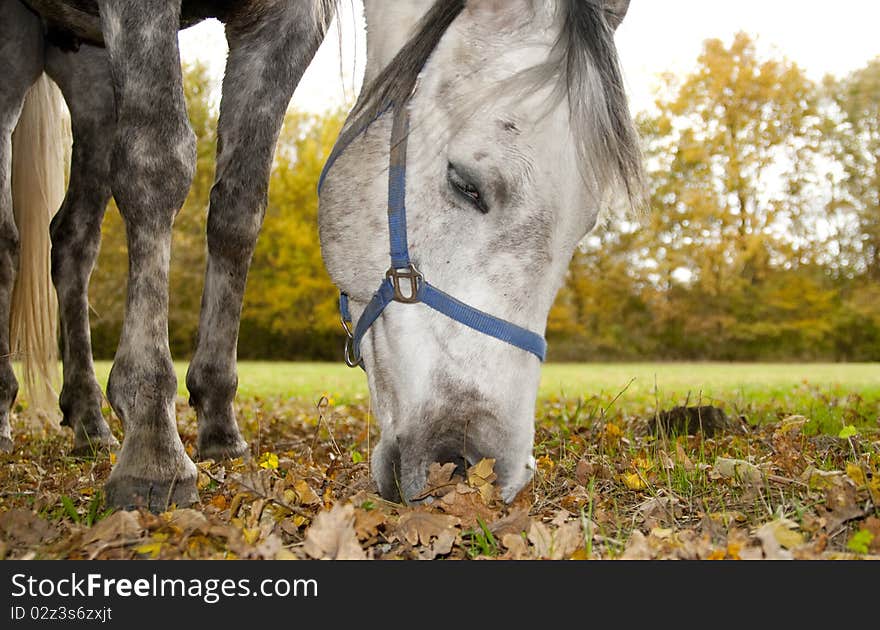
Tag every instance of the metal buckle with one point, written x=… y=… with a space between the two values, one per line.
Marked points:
x=410 y=274
x=349 y=345
x=351 y=360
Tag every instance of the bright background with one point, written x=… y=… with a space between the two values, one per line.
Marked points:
x=657 y=36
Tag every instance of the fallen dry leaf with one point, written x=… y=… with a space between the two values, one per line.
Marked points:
x=820 y=479
x=516 y=523
x=516 y=546
x=188 y=520
x=332 y=537
x=778 y=538
x=367 y=523
x=25 y=527
x=637 y=547
x=441 y=546
x=658 y=511
x=633 y=481
x=738 y=470
x=441 y=480
x=855 y=472
x=555 y=544
x=467 y=504
x=121 y=525
x=584 y=472
x=872 y=525
x=841 y=504
x=418 y=527
x=481 y=476
x=683 y=460
x=304 y=493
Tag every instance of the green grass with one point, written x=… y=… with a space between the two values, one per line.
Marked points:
x=755 y=381
x=831 y=394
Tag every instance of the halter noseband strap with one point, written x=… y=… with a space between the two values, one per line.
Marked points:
x=403 y=282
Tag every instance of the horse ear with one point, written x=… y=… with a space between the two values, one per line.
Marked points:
x=615 y=10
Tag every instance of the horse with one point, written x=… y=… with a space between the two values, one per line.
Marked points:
x=505 y=134
x=489 y=139
x=118 y=67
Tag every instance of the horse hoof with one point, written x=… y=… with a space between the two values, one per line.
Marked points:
x=219 y=451
x=90 y=447
x=6 y=445
x=155 y=495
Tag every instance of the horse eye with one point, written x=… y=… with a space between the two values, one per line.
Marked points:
x=466 y=189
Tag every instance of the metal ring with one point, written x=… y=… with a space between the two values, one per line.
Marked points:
x=349 y=351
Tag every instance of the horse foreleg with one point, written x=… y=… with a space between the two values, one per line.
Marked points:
x=265 y=63
x=84 y=78
x=21 y=60
x=152 y=166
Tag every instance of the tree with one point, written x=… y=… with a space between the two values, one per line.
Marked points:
x=290 y=307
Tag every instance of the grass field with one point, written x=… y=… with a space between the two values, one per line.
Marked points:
x=606 y=485
x=829 y=394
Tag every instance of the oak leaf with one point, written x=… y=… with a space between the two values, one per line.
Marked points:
x=419 y=527
x=739 y=470
x=481 y=476
x=555 y=544
x=332 y=536
x=441 y=546
x=441 y=480
x=121 y=525
x=367 y=523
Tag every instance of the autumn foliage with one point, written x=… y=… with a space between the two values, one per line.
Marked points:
x=762 y=240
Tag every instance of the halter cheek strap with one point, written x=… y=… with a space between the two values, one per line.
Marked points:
x=403 y=282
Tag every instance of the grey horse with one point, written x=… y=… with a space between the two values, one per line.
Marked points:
x=118 y=66
x=519 y=141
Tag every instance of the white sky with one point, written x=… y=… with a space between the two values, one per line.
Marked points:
x=822 y=36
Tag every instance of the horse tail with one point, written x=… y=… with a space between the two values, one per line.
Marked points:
x=39 y=143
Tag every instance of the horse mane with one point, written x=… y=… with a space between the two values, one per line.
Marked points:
x=585 y=66
x=396 y=81
x=586 y=56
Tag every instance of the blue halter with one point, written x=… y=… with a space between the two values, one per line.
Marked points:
x=403 y=282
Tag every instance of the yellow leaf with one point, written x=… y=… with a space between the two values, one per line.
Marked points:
x=613 y=433
x=733 y=551
x=151 y=548
x=203 y=481
x=483 y=470
x=269 y=461
x=633 y=481
x=251 y=536
x=112 y=459
x=642 y=463
x=305 y=494
x=785 y=534
x=821 y=479
x=481 y=476
x=299 y=521
x=580 y=554
x=661 y=533
x=219 y=502
x=855 y=472
x=545 y=464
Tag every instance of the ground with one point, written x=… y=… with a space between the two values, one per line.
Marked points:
x=791 y=470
